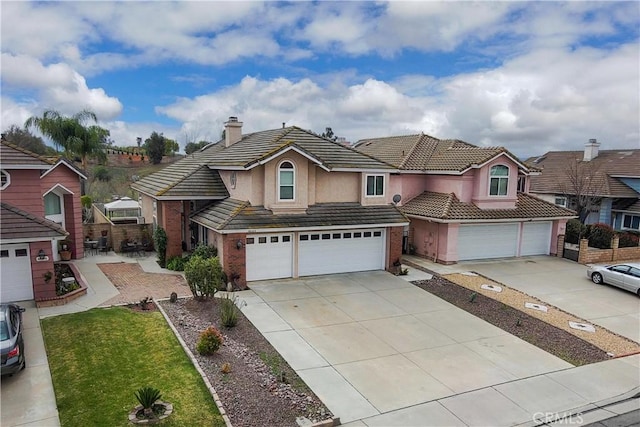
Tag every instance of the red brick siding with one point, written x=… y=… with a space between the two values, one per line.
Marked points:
x=172 y=224
x=42 y=290
x=235 y=260
x=394 y=248
x=560 y=246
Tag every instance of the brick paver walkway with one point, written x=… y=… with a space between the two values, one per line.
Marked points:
x=135 y=284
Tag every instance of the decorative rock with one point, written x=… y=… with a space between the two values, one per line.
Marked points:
x=534 y=306
x=68 y=280
x=582 y=326
x=469 y=273
x=494 y=288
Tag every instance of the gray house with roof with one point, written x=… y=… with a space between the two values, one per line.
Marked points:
x=278 y=203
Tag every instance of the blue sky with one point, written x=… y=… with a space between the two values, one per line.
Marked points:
x=530 y=76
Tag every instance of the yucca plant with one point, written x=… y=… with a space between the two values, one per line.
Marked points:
x=147 y=396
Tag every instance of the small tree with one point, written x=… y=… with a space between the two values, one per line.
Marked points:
x=160 y=242
x=154 y=147
x=204 y=276
x=583 y=183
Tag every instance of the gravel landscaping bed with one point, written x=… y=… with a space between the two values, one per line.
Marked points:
x=554 y=340
x=261 y=389
x=602 y=338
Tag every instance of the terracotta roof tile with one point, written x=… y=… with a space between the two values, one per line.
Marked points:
x=444 y=206
x=426 y=153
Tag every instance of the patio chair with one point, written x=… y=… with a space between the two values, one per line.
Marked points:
x=102 y=245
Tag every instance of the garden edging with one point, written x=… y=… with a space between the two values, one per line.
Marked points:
x=186 y=349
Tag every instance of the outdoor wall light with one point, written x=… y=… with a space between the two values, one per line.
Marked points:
x=239 y=244
x=42 y=256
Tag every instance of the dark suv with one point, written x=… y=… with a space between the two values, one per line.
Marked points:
x=11 y=341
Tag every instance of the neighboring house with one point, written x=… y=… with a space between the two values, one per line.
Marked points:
x=40 y=206
x=467 y=202
x=608 y=181
x=278 y=203
x=123 y=211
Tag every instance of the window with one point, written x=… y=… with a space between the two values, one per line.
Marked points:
x=336 y=235
x=357 y=235
x=52 y=204
x=286 y=181
x=522 y=183
x=21 y=252
x=4 y=253
x=367 y=234
x=304 y=237
x=262 y=240
x=620 y=268
x=274 y=239
x=631 y=221
x=315 y=237
x=499 y=180
x=561 y=201
x=347 y=235
x=326 y=236
x=377 y=233
x=5 y=180
x=250 y=241
x=286 y=239
x=375 y=185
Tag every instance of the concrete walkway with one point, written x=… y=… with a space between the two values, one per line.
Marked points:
x=379 y=351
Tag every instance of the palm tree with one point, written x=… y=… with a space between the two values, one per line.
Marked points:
x=61 y=129
x=71 y=134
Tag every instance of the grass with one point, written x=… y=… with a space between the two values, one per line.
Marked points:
x=99 y=358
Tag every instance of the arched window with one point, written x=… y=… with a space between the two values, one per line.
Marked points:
x=286 y=181
x=499 y=180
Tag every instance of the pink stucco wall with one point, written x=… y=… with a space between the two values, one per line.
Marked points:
x=481 y=196
x=407 y=185
x=434 y=240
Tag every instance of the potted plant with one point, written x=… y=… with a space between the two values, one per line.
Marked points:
x=47 y=277
x=65 y=250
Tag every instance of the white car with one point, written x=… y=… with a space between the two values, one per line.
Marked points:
x=625 y=276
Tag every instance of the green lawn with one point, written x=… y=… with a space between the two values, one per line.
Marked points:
x=100 y=357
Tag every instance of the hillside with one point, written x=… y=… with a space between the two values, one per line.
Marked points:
x=116 y=177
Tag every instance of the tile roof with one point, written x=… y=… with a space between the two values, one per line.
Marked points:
x=604 y=168
x=627 y=205
x=20 y=225
x=233 y=214
x=189 y=177
x=426 y=153
x=445 y=207
x=259 y=146
x=12 y=155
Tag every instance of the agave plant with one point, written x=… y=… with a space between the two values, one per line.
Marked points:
x=147 y=396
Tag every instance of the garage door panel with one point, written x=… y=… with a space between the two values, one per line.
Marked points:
x=269 y=256
x=340 y=251
x=15 y=273
x=487 y=241
x=536 y=238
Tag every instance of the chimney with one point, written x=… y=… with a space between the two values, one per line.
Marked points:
x=232 y=131
x=591 y=150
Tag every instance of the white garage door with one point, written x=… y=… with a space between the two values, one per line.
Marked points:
x=536 y=238
x=487 y=241
x=340 y=251
x=15 y=272
x=269 y=256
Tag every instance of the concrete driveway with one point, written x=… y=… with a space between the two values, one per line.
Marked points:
x=33 y=384
x=378 y=349
x=564 y=284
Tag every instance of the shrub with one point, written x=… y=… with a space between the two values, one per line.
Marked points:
x=160 y=242
x=209 y=342
x=205 y=251
x=229 y=311
x=575 y=230
x=176 y=263
x=600 y=236
x=101 y=173
x=147 y=396
x=204 y=276
x=628 y=239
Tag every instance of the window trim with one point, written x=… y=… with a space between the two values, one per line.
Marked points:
x=499 y=178
x=293 y=185
x=366 y=185
x=564 y=205
x=8 y=175
x=630 y=215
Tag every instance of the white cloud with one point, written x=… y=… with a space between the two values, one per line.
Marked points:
x=59 y=87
